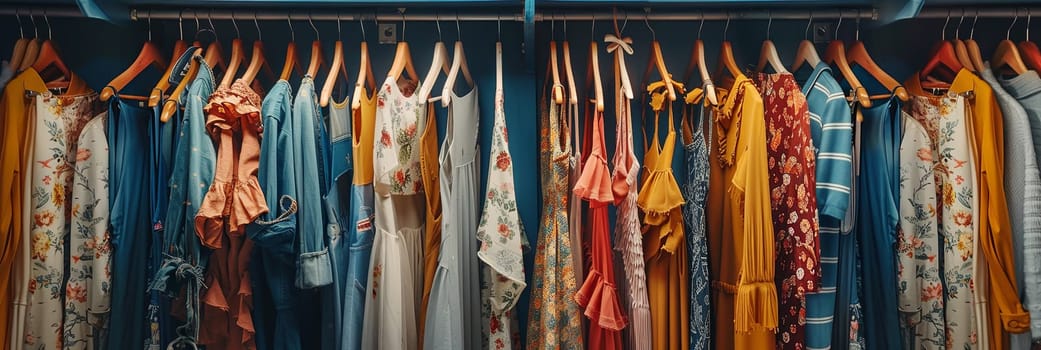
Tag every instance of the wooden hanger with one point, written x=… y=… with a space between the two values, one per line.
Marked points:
x=291 y=55
x=974 y=48
x=317 y=59
x=172 y=103
x=458 y=64
x=857 y=54
x=569 y=74
x=1006 y=56
x=961 y=51
x=364 y=72
x=768 y=53
x=18 y=51
x=1029 y=51
x=236 y=56
x=727 y=63
x=336 y=68
x=558 y=90
x=148 y=56
x=402 y=58
x=32 y=47
x=943 y=65
x=439 y=63
x=49 y=58
x=257 y=60
x=657 y=60
x=593 y=76
x=697 y=61
x=180 y=46
x=807 y=52
x=835 y=56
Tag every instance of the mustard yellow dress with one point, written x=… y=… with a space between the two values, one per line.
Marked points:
x=741 y=230
x=664 y=244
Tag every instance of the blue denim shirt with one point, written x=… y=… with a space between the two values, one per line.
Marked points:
x=193 y=169
x=275 y=230
x=313 y=268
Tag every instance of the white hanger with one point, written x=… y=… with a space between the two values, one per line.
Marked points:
x=458 y=62
x=439 y=63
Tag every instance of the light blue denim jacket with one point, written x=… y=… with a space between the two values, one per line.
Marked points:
x=310 y=162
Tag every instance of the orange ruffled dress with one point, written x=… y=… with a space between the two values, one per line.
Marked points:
x=599 y=294
x=664 y=244
x=234 y=200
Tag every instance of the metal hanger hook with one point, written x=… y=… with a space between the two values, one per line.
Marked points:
x=180 y=23
x=238 y=35
x=702 y=25
x=47 y=20
x=260 y=35
x=339 y=34
x=317 y=36
x=1008 y=33
x=856 y=34
x=943 y=32
x=553 y=28
x=957 y=30
x=806 y=32
x=198 y=27
x=726 y=26
x=769 y=22
x=1028 y=24
x=459 y=32
x=498 y=23
x=592 y=28
x=209 y=18
x=837 y=26
x=975 y=18
x=647 y=22
x=401 y=10
x=292 y=32
x=564 y=18
x=18 y=16
x=361 y=23
x=149 y=24
x=625 y=20
x=36 y=30
x=437 y=21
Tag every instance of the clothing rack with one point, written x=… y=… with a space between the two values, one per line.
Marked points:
x=330 y=14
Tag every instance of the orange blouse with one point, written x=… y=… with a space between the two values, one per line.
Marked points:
x=429 y=164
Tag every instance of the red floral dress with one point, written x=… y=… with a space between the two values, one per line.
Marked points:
x=793 y=202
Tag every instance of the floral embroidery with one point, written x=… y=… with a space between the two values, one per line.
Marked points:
x=936 y=218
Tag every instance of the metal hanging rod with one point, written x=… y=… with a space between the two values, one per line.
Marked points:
x=321 y=14
x=37 y=10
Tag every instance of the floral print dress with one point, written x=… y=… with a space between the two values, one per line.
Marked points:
x=555 y=320
x=48 y=323
x=947 y=316
x=793 y=183
x=395 y=285
x=503 y=241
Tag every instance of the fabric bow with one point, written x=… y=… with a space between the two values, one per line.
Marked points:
x=614 y=42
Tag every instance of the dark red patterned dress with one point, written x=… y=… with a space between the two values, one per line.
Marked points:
x=793 y=202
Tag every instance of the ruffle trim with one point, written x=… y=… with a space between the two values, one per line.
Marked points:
x=216 y=300
x=755 y=307
x=660 y=194
x=209 y=221
x=249 y=204
x=600 y=301
x=594 y=184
